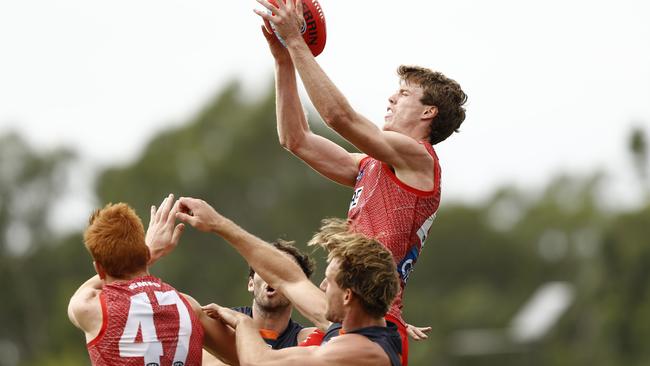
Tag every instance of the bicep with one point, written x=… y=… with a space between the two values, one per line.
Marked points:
x=84 y=310
x=393 y=148
x=329 y=159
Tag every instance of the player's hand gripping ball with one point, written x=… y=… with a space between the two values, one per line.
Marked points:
x=313 y=29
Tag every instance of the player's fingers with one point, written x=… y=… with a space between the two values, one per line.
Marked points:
x=264 y=15
x=178 y=231
x=267 y=5
x=171 y=216
x=161 y=208
x=267 y=32
x=187 y=205
x=299 y=7
x=211 y=306
x=152 y=214
x=181 y=216
x=164 y=215
x=420 y=335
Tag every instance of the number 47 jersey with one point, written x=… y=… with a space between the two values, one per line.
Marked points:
x=146 y=322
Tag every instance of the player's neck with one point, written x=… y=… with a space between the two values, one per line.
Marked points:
x=357 y=318
x=110 y=279
x=276 y=321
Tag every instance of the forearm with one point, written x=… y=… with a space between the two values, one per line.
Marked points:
x=291 y=121
x=328 y=100
x=274 y=267
x=251 y=348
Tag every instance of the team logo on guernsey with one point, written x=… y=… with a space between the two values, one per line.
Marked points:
x=360 y=175
x=355 y=198
x=405 y=267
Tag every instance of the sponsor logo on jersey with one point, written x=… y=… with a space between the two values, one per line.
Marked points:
x=355 y=198
x=139 y=284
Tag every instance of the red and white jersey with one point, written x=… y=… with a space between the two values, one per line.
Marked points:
x=397 y=215
x=146 y=323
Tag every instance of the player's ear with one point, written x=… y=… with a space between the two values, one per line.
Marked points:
x=100 y=270
x=430 y=112
x=250 y=284
x=347 y=297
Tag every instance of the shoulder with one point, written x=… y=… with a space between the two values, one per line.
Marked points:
x=193 y=304
x=406 y=151
x=85 y=310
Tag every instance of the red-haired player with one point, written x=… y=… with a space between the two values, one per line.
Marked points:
x=130 y=317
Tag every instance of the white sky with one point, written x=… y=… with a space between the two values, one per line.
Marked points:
x=554 y=86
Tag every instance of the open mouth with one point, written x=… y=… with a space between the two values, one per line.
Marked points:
x=270 y=290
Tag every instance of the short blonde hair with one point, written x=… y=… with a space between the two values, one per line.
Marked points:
x=366 y=266
x=115 y=239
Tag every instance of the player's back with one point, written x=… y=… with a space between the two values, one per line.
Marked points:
x=146 y=322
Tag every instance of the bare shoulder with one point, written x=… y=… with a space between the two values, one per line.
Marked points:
x=85 y=310
x=406 y=145
x=354 y=349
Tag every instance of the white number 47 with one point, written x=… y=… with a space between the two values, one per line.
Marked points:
x=141 y=318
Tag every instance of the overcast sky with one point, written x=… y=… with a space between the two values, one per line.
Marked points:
x=554 y=86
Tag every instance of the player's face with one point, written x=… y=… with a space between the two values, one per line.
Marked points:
x=333 y=293
x=266 y=297
x=404 y=108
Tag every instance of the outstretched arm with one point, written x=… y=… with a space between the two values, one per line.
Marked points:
x=402 y=152
x=276 y=268
x=323 y=155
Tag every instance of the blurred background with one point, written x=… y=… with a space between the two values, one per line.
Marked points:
x=540 y=253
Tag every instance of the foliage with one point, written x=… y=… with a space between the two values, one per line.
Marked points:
x=480 y=264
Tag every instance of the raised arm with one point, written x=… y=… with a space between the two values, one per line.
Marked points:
x=323 y=155
x=403 y=153
x=276 y=268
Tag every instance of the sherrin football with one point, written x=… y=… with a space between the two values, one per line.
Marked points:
x=313 y=30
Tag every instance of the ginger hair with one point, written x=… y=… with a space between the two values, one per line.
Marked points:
x=115 y=239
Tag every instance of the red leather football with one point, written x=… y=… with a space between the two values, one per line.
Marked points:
x=313 y=31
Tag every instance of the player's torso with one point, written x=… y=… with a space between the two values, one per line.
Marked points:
x=146 y=322
x=398 y=215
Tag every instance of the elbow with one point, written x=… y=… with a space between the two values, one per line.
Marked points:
x=293 y=143
x=289 y=144
x=322 y=323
